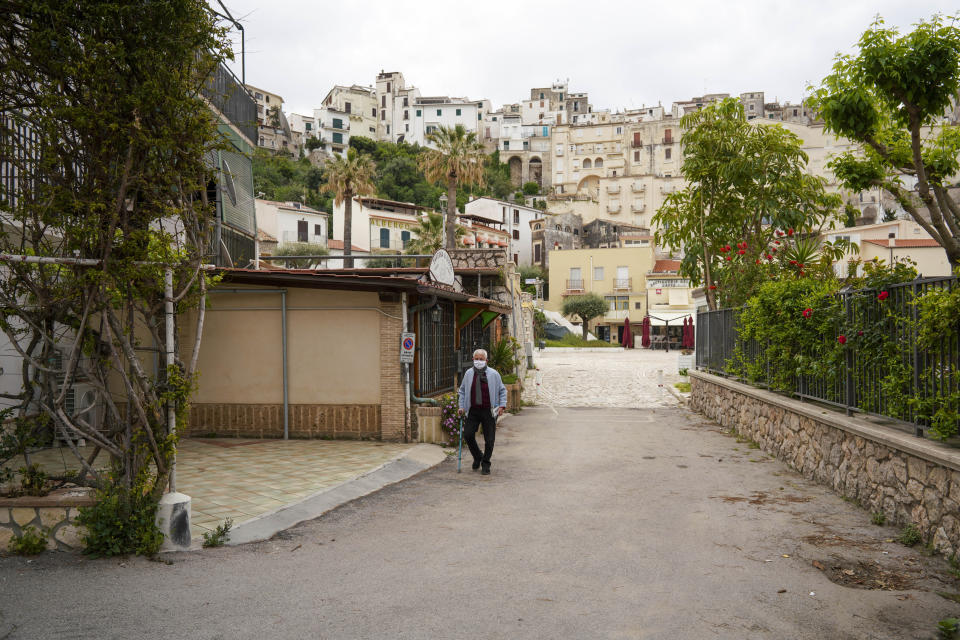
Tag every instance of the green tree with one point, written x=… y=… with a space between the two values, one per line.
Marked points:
x=273 y=116
x=531 y=188
x=111 y=95
x=587 y=307
x=457 y=160
x=294 y=249
x=313 y=142
x=349 y=176
x=429 y=236
x=889 y=97
x=744 y=184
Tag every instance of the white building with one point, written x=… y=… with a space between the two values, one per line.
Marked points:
x=334 y=128
x=394 y=101
x=430 y=113
x=302 y=128
x=380 y=226
x=515 y=220
x=291 y=222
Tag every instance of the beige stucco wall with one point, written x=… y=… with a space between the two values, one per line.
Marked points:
x=333 y=355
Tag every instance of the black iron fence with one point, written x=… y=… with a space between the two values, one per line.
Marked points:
x=905 y=380
x=438 y=361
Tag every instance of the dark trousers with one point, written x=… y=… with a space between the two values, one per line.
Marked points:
x=476 y=417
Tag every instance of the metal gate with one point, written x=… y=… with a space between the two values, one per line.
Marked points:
x=473 y=337
x=438 y=359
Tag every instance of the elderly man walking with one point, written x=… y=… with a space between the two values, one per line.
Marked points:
x=483 y=399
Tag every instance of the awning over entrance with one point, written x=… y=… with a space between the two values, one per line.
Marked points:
x=675 y=318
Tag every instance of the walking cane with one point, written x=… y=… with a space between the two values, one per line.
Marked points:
x=460 y=446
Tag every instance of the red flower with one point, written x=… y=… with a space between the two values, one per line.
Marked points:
x=780 y=233
x=800 y=264
x=741 y=252
x=726 y=248
x=859 y=333
x=883 y=296
x=769 y=257
x=807 y=312
x=776 y=242
x=758 y=261
x=842 y=339
x=789 y=232
x=712 y=287
x=774 y=250
x=728 y=258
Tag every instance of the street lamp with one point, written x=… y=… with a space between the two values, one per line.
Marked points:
x=443 y=209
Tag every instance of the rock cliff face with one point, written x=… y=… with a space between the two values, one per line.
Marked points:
x=909 y=479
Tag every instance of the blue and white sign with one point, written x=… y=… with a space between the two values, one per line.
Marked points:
x=408 y=343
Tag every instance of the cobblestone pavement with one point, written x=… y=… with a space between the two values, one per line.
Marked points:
x=623 y=379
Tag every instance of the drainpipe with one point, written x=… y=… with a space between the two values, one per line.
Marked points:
x=406 y=365
x=420 y=307
x=283 y=342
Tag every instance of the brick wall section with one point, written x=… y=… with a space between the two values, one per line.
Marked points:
x=393 y=423
x=909 y=479
x=347 y=421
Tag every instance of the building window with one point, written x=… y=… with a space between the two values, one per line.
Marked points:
x=406 y=101
x=258 y=95
x=405 y=238
x=307 y=126
x=516 y=216
x=267 y=98
x=598 y=163
x=373 y=112
x=337 y=138
x=536 y=252
x=302 y=231
x=318 y=230
x=418 y=113
x=638 y=305
x=516 y=234
x=406 y=114
x=619 y=130
x=347 y=107
x=598 y=273
x=388 y=87
x=337 y=123
x=388 y=129
x=666 y=153
x=383 y=115
x=439 y=112
x=636 y=156
x=384 y=238
x=458 y=111
x=506 y=145
x=406 y=128
x=383 y=102
x=541 y=97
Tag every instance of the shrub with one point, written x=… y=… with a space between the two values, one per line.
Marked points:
x=450 y=418
x=29 y=543
x=504 y=355
x=879 y=518
x=218 y=536
x=910 y=536
x=531 y=188
x=121 y=521
x=33 y=481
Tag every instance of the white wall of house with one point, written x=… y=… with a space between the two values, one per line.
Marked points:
x=427 y=117
x=334 y=126
x=290 y=222
x=516 y=222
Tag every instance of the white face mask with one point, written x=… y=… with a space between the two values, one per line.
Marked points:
x=479 y=364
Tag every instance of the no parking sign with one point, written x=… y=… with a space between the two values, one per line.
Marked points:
x=408 y=342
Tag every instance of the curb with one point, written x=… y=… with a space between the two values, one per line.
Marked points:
x=409 y=463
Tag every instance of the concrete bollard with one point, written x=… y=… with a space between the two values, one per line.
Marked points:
x=173 y=519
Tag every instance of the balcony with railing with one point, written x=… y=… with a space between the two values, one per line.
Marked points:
x=636 y=144
x=638 y=187
x=638 y=206
x=574 y=286
x=623 y=284
x=228 y=95
x=613 y=207
x=613 y=188
x=668 y=140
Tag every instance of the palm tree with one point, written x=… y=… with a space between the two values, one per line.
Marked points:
x=349 y=176
x=457 y=160
x=429 y=235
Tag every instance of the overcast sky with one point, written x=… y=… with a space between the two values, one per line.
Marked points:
x=624 y=54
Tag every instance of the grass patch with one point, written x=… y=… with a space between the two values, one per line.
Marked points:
x=910 y=536
x=571 y=340
x=684 y=387
x=29 y=543
x=217 y=537
x=510 y=378
x=879 y=518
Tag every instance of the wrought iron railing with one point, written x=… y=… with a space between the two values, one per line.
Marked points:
x=893 y=386
x=623 y=284
x=574 y=285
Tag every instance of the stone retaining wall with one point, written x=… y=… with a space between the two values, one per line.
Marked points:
x=54 y=513
x=909 y=479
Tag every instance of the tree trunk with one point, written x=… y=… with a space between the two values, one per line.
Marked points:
x=585 y=320
x=348 y=230
x=451 y=226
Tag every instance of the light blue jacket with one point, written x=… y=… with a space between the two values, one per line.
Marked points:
x=497 y=390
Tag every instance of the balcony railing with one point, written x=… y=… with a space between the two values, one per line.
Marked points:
x=574 y=286
x=638 y=187
x=618 y=314
x=614 y=188
x=623 y=284
x=613 y=207
x=225 y=91
x=668 y=140
x=638 y=206
x=636 y=144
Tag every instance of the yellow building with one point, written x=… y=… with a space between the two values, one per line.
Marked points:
x=619 y=275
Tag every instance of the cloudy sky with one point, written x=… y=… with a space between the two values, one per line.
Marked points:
x=624 y=54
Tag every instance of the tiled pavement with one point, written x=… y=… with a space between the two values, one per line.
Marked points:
x=243 y=479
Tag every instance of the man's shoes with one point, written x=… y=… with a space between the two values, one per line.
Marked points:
x=476 y=465
x=485 y=471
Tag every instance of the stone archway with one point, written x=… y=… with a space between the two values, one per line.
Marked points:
x=535 y=170
x=516 y=170
x=590 y=185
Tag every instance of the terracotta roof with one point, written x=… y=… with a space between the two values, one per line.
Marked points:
x=905 y=243
x=263 y=236
x=338 y=244
x=666 y=266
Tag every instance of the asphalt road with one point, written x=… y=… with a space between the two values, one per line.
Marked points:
x=596 y=523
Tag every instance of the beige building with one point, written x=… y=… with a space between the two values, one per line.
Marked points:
x=889 y=241
x=619 y=275
x=670 y=301
x=273 y=129
x=379 y=225
x=356 y=103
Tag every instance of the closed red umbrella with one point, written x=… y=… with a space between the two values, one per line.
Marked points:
x=693 y=335
x=645 y=333
x=627 y=340
x=686 y=333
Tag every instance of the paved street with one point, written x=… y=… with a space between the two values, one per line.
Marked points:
x=596 y=523
x=603 y=378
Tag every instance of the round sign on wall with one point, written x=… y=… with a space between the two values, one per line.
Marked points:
x=441 y=268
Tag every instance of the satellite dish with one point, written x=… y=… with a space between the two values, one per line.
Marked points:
x=228 y=186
